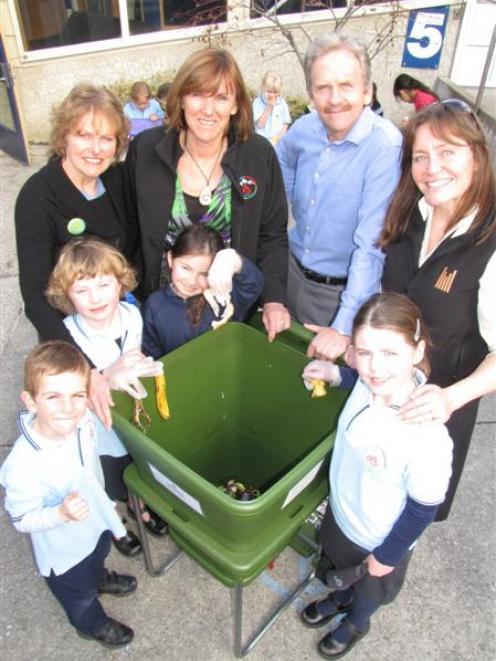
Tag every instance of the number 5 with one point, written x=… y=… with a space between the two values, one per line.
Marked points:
x=421 y=30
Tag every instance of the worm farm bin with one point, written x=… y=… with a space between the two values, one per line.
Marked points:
x=239 y=410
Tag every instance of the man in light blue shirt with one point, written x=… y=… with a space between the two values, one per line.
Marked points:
x=340 y=167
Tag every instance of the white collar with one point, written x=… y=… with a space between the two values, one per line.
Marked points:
x=86 y=427
x=89 y=332
x=419 y=379
x=426 y=211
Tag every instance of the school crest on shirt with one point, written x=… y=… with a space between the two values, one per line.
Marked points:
x=248 y=187
x=375 y=459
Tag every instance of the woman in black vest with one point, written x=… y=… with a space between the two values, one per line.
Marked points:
x=440 y=240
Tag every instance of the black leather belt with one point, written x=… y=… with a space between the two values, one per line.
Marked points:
x=318 y=277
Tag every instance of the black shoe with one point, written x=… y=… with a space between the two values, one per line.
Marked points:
x=112 y=634
x=128 y=545
x=321 y=612
x=117 y=584
x=330 y=648
x=155 y=525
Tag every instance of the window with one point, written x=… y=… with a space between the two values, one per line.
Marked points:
x=51 y=23
x=258 y=7
x=150 y=15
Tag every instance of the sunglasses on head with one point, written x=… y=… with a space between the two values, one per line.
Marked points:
x=460 y=106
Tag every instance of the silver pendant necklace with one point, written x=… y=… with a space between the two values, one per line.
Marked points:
x=205 y=194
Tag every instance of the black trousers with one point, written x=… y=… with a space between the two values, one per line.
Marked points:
x=460 y=427
x=113 y=469
x=77 y=589
x=342 y=553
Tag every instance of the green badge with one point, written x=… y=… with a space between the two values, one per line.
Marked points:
x=76 y=226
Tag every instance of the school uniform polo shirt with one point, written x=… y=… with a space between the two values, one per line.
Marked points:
x=38 y=474
x=377 y=462
x=103 y=351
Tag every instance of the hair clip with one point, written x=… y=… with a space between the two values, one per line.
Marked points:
x=416 y=337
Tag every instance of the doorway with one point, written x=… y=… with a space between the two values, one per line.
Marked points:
x=478 y=23
x=11 y=137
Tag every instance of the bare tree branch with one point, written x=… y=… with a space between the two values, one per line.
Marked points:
x=211 y=12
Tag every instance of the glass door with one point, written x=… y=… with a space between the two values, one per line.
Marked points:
x=11 y=137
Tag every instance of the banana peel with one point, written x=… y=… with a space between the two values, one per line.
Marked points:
x=140 y=417
x=222 y=308
x=318 y=387
x=161 y=397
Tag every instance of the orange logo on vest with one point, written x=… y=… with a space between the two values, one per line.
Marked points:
x=445 y=280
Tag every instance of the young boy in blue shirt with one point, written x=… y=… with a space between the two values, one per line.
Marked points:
x=54 y=491
x=142 y=110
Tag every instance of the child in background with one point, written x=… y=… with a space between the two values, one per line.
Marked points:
x=387 y=478
x=143 y=111
x=162 y=92
x=411 y=90
x=375 y=104
x=87 y=283
x=54 y=491
x=270 y=110
x=197 y=261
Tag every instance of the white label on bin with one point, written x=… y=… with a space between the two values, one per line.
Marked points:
x=176 y=490
x=304 y=482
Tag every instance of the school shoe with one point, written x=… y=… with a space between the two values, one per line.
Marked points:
x=321 y=612
x=129 y=545
x=155 y=525
x=330 y=648
x=113 y=634
x=117 y=584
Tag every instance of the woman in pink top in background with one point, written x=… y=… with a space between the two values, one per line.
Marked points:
x=411 y=90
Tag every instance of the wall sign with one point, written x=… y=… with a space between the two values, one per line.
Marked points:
x=424 y=38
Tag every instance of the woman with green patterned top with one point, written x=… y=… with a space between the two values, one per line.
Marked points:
x=208 y=166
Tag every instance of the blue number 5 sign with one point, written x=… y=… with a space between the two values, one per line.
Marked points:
x=424 y=38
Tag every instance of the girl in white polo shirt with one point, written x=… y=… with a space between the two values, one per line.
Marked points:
x=387 y=477
x=88 y=282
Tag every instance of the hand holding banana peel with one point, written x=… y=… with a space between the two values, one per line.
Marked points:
x=126 y=372
x=317 y=373
x=225 y=265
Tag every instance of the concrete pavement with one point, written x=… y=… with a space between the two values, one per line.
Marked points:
x=447 y=609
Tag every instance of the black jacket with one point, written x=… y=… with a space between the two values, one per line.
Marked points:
x=167 y=323
x=446 y=289
x=45 y=205
x=259 y=208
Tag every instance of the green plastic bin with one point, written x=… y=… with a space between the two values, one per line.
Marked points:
x=239 y=409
